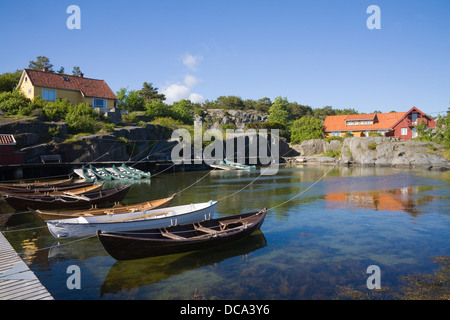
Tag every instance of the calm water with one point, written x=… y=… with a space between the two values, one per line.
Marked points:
x=316 y=246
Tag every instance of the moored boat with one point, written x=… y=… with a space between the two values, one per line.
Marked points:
x=143 y=174
x=116 y=209
x=123 y=172
x=55 y=191
x=237 y=165
x=86 y=174
x=9 y=189
x=38 y=183
x=100 y=173
x=127 y=245
x=67 y=201
x=158 y=218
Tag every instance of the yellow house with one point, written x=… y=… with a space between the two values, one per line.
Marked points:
x=76 y=89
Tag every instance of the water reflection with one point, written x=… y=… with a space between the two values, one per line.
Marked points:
x=386 y=200
x=128 y=275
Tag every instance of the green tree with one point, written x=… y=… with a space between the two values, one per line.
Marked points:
x=40 y=63
x=150 y=94
x=76 y=71
x=229 y=102
x=182 y=110
x=61 y=70
x=157 y=109
x=322 y=113
x=306 y=128
x=299 y=110
x=9 y=80
x=280 y=111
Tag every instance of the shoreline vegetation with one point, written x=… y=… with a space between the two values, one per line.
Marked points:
x=142 y=119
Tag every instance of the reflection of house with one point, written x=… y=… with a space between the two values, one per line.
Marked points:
x=394 y=124
x=51 y=86
x=385 y=200
x=7 y=153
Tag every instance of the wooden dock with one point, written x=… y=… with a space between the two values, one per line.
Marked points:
x=17 y=281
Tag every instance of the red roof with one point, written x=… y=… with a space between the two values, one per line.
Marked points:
x=7 y=139
x=382 y=121
x=88 y=87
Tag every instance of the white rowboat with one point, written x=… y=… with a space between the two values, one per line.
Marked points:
x=159 y=218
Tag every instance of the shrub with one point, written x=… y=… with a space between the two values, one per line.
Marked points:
x=306 y=128
x=372 y=146
x=81 y=118
x=57 y=109
x=12 y=102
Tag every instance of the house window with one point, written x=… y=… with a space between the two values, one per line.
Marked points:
x=100 y=104
x=335 y=133
x=414 y=117
x=49 y=95
x=404 y=131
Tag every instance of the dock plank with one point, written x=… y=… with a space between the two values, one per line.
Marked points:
x=17 y=281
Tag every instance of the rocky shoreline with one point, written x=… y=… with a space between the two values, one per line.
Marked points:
x=372 y=151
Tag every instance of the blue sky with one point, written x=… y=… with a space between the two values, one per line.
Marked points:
x=313 y=52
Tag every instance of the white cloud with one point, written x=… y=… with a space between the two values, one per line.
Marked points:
x=196 y=98
x=191 y=61
x=191 y=81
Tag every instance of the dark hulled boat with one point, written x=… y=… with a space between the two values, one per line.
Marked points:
x=182 y=238
x=67 y=201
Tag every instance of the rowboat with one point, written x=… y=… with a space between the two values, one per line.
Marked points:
x=67 y=201
x=128 y=245
x=122 y=171
x=7 y=189
x=38 y=184
x=116 y=209
x=143 y=174
x=100 y=174
x=158 y=218
x=238 y=166
x=114 y=175
x=86 y=174
x=53 y=192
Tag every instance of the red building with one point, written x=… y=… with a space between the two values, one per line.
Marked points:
x=7 y=153
x=404 y=128
x=394 y=124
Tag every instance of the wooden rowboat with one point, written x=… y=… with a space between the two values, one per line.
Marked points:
x=159 y=218
x=52 y=192
x=8 y=189
x=67 y=201
x=117 y=209
x=38 y=184
x=143 y=174
x=182 y=238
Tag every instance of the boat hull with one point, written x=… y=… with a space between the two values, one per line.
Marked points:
x=125 y=246
x=86 y=227
x=67 y=202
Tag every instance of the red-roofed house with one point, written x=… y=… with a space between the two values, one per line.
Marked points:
x=76 y=89
x=394 y=124
x=7 y=153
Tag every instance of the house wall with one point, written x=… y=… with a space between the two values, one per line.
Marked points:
x=8 y=156
x=409 y=125
x=27 y=88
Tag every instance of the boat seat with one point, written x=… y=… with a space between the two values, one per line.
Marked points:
x=205 y=230
x=169 y=235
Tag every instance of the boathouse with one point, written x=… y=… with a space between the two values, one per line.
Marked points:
x=8 y=155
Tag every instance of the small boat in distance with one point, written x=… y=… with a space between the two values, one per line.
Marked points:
x=128 y=245
x=86 y=174
x=159 y=218
x=50 y=192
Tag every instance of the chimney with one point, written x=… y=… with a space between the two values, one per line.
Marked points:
x=81 y=75
x=45 y=69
